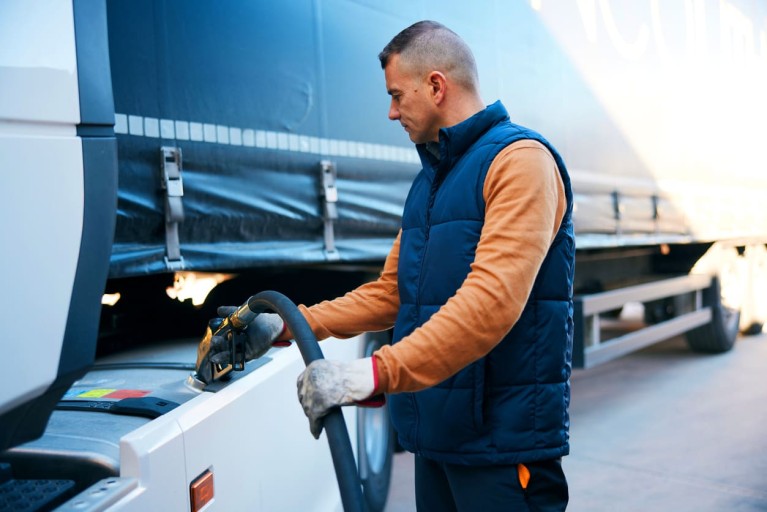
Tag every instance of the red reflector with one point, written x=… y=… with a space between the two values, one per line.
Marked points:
x=201 y=490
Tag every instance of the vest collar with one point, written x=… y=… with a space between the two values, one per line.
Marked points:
x=455 y=140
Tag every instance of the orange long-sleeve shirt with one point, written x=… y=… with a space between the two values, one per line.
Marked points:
x=525 y=202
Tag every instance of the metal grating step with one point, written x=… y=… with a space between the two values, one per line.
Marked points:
x=33 y=495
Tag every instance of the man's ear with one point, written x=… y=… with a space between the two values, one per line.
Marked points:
x=437 y=84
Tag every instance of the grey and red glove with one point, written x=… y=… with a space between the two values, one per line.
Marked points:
x=325 y=384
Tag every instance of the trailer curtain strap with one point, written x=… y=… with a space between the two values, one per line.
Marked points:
x=173 y=187
x=329 y=198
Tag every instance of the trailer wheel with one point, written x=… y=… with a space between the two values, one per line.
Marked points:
x=718 y=335
x=753 y=329
x=375 y=442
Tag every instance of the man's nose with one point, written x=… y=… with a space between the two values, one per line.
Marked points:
x=393 y=112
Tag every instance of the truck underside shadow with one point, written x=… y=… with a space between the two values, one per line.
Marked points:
x=145 y=313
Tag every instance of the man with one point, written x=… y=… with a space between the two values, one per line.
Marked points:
x=478 y=288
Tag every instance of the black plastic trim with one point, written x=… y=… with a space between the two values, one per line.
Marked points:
x=93 y=130
x=100 y=178
x=145 y=407
x=93 y=75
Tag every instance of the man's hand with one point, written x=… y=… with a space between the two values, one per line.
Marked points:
x=261 y=333
x=325 y=384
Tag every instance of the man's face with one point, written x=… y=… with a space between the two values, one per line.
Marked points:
x=411 y=102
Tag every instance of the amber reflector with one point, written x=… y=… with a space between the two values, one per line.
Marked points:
x=201 y=490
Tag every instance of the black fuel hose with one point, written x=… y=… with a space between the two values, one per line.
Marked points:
x=338 y=436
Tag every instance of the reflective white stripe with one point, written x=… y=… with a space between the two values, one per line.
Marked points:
x=166 y=129
x=135 y=125
x=231 y=135
x=151 y=127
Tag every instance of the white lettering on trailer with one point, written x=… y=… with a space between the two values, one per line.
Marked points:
x=739 y=39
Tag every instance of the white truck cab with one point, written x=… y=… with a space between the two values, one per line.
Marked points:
x=126 y=431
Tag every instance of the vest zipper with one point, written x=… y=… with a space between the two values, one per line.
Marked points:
x=439 y=175
x=432 y=197
x=430 y=204
x=416 y=424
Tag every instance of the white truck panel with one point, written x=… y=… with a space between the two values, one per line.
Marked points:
x=39 y=257
x=38 y=65
x=250 y=434
x=39 y=107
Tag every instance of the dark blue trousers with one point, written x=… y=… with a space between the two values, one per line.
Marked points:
x=441 y=487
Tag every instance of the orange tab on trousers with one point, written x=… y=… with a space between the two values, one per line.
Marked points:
x=524 y=475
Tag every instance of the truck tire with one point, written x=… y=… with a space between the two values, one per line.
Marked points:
x=376 y=442
x=754 y=310
x=718 y=335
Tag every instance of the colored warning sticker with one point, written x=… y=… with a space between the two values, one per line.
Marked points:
x=127 y=393
x=72 y=393
x=96 y=393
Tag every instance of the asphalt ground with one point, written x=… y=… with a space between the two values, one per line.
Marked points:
x=663 y=429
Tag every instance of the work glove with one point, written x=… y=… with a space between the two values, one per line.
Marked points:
x=325 y=384
x=260 y=335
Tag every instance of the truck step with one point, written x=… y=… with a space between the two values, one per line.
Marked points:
x=33 y=495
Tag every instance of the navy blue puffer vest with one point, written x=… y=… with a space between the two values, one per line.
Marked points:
x=510 y=406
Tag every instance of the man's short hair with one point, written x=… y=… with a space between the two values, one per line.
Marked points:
x=430 y=46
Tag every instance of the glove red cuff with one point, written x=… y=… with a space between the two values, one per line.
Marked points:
x=282 y=343
x=374 y=400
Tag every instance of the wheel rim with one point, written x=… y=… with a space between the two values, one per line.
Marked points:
x=731 y=319
x=375 y=437
x=374 y=422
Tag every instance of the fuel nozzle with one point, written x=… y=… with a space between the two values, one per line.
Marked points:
x=232 y=330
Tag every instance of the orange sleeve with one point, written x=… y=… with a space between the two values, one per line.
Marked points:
x=524 y=206
x=369 y=308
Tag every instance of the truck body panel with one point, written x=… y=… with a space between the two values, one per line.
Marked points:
x=633 y=119
x=42 y=137
x=59 y=212
x=258 y=453
x=252 y=148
